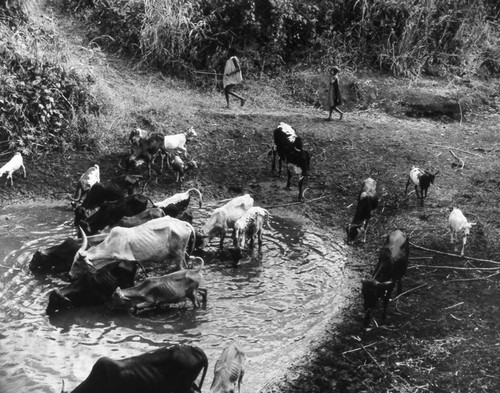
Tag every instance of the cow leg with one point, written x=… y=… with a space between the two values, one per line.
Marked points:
x=387 y=296
x=259 y=238
x=407 y=185
x=289 y=174
x=417 y=192
x=463 y=246
x=222 y=236
x=142 y=306
x=279 y=166
x=273 y=164
x=365 y=230
x=194 y=299
x=203 y=292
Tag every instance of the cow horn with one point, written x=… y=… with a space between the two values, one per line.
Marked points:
x=85 y=241
x=62 y=388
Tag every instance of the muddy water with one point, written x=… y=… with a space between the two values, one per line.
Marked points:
x=273 y=304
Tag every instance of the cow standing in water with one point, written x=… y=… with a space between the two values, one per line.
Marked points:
x=229 y=370
x=173 y=370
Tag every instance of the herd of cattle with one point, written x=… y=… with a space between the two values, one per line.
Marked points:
x=103 y=266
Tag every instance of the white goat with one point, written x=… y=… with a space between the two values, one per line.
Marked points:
x=459 y=225
x=14 y=164
x=178 y=141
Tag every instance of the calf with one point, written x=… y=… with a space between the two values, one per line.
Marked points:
x=170 y=369
x=111 y=212
x=289 y=148
x=367 y=201
x=223 y=218
x=174 y=205
x=229 y=370
x=136 y=135
x=391 y=267
x=14 y=164
x=86 y=181
x=141 y=218
x=168 y=289
x=251 y=224
x=179 y=167
x=93 y=289
x=59 y=258
x=459 y=226
x=178 y=141
x=422 y=181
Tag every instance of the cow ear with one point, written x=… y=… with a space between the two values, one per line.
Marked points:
x=62 y=388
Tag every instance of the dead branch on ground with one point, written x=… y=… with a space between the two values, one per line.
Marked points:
x=453 y=255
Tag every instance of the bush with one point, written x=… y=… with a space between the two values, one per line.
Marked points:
x=41 y=105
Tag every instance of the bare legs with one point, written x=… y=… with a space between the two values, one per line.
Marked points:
x=228 y=91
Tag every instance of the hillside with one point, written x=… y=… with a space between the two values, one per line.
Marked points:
x=441 y=334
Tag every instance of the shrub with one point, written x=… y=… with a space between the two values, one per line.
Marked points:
x=41 y=104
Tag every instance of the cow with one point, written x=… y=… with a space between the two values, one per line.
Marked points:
x=391 y=267
x=111 y=212
x=251 y=224
x=180 y=167
x=174 y=205
x=223 y=218
x=171 y=369
x=145 y=149
x=141 y=218
x=92 y=289
x=85 y=183
x=58 y=258
x=152 y=241
x=367 y=201
x=167 y=289
x=229 y=370
x=288 y=145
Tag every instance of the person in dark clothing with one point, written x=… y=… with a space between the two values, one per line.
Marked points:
x=334 y=96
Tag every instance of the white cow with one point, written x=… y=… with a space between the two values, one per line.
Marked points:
x=14 y=164
x=228 y=370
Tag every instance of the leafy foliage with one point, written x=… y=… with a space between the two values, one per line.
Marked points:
x=41 y=105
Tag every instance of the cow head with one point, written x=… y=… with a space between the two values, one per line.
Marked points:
x=81 y=263
x=372 y=290
x=353 y=231
x=119 y=300
x=191 y=133
x=55 y=259
x=57 y=301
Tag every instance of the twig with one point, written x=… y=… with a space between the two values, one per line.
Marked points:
x=415 y=258
x=459 y=268
x=296 y=203
x=454 y=255
x=408 y=291
x=458 y=158
x=359 y=349
x=455 y=305
x=454 y=148
x=372 y=358
x=473 y=279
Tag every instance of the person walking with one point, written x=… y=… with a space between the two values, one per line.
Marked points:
x=232 y=77
x=334 y=96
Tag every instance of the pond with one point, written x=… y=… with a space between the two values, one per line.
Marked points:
x=273 y=304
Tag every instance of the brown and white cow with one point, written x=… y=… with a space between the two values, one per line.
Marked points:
x=168 y=369
x=153 y=241
x=229 y=370
x=85 y=183
x=223 y=218
x=169 y=289
x=141 y=218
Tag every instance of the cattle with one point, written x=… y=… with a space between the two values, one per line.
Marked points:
x=180 y=167
x=92 y=289
x=171 y=369
x=111 y=212
x=223 y=218
x=13 y=165
x=229 y=370
x=367 y=202
x=85 y=183
x=289 y=148
x=422 y=181
x=141 y=218
x=58 y=258
x=146 y=149
x=459 y=226
x=174 y=205
x=153 y=241
x=136 y=135
x=168 y=289
x=251 y=224
x=178 y=141
x=391 y=267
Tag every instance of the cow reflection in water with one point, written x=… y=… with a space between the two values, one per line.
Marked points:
x=174 y=369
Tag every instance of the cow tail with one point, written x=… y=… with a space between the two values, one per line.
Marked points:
x=194 y=238
x=205 y=367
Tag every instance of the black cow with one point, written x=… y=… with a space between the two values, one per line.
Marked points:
x=110 y=213
x=289 y=148
x=146 y=149
x=391 y=267
x=92 y=289
x=166 y=370
x=58 y=258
